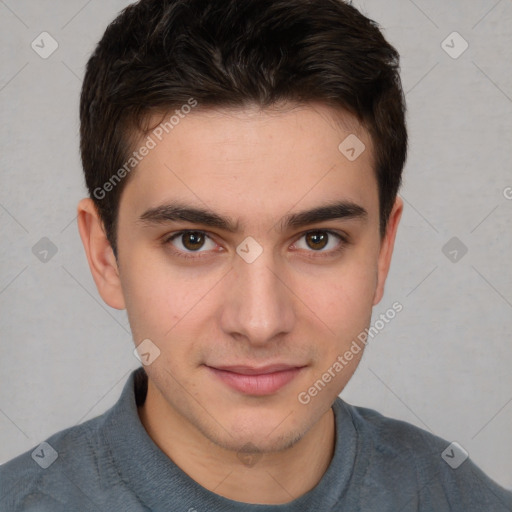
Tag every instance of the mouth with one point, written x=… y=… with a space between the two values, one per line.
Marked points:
x=257 y=381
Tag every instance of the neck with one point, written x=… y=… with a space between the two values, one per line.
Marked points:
x=270 y=478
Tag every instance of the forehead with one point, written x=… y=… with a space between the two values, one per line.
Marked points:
x=249 y=159
x=284 y=123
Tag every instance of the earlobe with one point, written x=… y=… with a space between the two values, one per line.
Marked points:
x=386 y=249
x=102 y=262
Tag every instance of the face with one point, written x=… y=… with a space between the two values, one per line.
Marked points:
x=253 y=304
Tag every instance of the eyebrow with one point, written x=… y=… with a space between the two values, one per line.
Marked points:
x=177 y=211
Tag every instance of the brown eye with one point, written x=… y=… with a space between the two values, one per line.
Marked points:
x=317 y=239
x=193 y=240
x=321 y=242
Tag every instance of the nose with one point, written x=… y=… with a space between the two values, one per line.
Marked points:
x=259 y=304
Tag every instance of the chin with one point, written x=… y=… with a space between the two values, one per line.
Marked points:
x=254 y=442
x=255 y=430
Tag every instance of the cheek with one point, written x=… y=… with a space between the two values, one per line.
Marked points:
x=150 y=303
x=349 y=290
x=162 y=302
x=345 y=305
x=349 y=311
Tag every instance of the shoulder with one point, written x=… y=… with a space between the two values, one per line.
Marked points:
x=393 y=436
x=400 y=455
x=55 y=472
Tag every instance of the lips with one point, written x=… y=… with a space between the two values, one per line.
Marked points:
x=258 y=381
x=262 y=370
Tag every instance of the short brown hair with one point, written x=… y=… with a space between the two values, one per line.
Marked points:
x=158 y=54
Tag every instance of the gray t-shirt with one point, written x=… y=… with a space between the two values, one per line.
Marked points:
x=110 y=463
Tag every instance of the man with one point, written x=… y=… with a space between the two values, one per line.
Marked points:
x=243 y=160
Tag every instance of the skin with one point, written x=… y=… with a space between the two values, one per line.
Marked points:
x=299 y=302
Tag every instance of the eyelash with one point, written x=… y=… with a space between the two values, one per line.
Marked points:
x=316 y=254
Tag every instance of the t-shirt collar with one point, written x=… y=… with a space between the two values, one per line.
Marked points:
x=161 y=485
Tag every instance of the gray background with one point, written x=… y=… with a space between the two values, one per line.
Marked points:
x=443 y=363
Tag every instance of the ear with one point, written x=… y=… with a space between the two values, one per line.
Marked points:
x=386 y=248
x=102 y=262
